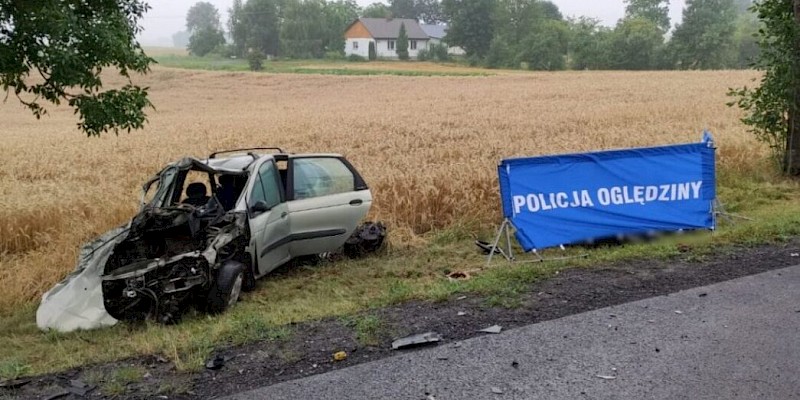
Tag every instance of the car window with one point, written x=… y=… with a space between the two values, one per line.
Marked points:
x=315 y=177
x=265 y=187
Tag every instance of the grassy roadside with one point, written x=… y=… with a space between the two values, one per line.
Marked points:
x=321 y=67
x=347 y=287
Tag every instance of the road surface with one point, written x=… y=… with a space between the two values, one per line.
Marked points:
x=733 y=340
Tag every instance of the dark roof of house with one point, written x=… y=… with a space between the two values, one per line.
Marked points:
x=389 y=28
x=434 y=31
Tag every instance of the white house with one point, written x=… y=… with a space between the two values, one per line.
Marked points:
x=436 y=35
x=383 y=32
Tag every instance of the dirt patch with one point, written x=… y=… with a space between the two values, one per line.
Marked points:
x=310 y=348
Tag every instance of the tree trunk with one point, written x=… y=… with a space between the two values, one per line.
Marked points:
x=792 y=162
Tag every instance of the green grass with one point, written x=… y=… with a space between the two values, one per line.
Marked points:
x=350 y=288
x=367 y=328
x=117 y=381
x=320 y=67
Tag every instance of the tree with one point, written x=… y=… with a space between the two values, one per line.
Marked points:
x=430 y=11
x=202 y=21
x=201 y=16
x=338 y=14
x=705 y=38
x=656 y=11
x=773 y=108
x=373 y=55
x=403 y=9
x=745 y=39
x=262 y=26
x=545 y=47
x=304 y=28
x=588 y=46
x=635 y=44
x=376 y=10
x=51 y=51
x=204 y=41
x=471 y=25
x=237 y=27
x=402 y=43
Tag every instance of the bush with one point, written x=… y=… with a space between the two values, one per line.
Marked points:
x=256 y=60
x=334 y=55
x=356 y=58
x=423 y=55
x=373 y=55
x=439 y=52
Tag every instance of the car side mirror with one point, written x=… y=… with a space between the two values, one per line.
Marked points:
x=259 y=207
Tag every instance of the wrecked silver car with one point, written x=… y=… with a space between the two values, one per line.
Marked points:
x=207 y=229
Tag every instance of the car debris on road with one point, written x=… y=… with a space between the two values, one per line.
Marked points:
x=416 y=340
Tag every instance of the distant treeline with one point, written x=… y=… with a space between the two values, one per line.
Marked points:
x=527 y=34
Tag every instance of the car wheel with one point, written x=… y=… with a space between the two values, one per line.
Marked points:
x=225 y=290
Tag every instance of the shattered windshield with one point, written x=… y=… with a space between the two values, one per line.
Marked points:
x=164 y=189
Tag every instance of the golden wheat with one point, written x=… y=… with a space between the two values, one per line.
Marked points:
x=428 y=146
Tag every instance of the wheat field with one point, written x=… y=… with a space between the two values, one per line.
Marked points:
x=428 y=146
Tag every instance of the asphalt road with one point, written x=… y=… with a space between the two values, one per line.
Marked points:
x=733 y=340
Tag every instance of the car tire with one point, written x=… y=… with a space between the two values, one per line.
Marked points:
x=225 y=290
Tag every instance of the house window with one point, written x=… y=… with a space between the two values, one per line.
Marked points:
x=413 y=45
x=355 y=45
x=391 y=45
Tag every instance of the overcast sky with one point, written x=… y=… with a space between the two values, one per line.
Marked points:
x=169 y=16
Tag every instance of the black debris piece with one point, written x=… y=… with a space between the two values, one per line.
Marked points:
x=216 y=362
x=367 y=238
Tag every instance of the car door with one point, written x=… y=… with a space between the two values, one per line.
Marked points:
x=327 y=200
x=268 y=217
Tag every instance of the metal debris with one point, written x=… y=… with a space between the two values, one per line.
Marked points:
x=416 y=340
x=678 y=312
x=461 y=297
x=461 y=313
x=216 y=362
x=492 y=329
x=606 y=377
x=497 y=390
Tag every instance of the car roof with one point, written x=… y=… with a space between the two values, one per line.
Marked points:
x=240 y=162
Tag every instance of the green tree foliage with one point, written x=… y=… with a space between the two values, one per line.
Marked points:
x=534 y=33
x=635 y=44
x=54 y=51
x=402 y=43
x=773 y=108
x=304 y=29
x=745 y=39
x=372 y=54
x=705 y=38
x=339 y=15
x=202 y=22
x=589 y=44
x=202 y=15
x=255 y=59
x=204 y=41
x=403 y=9
x=237 y=28
x=471 y=25
x=376 y=10
x=262 y=26
x=430 y=11
x=656 y=11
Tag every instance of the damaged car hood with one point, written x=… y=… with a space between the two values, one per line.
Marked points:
x=77 y=301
